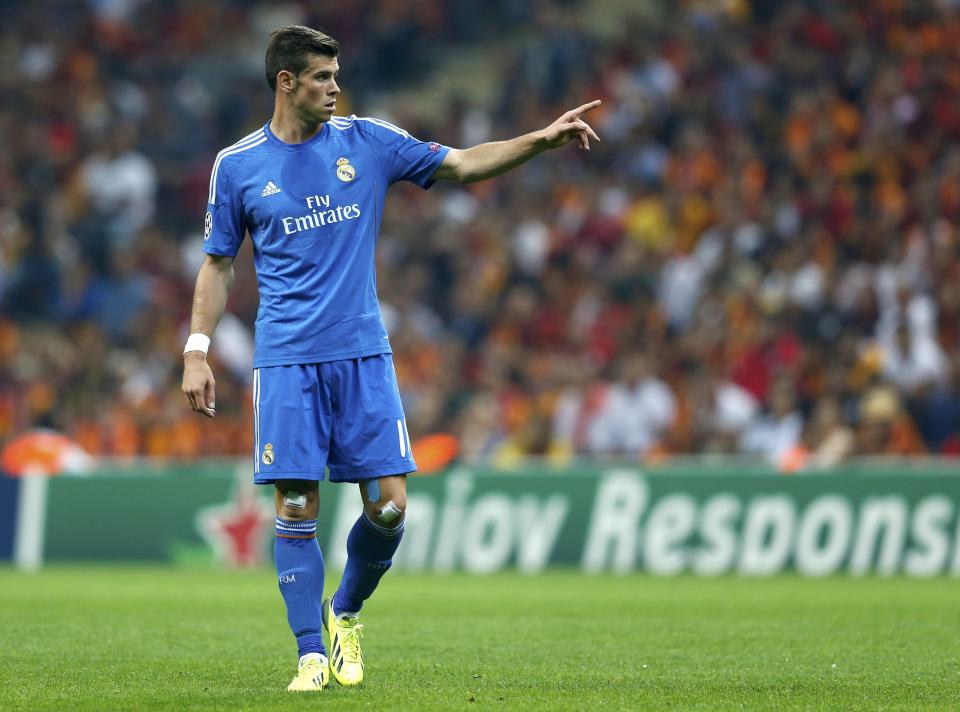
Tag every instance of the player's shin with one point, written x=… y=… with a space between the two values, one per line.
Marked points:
x=370 y=549
x=300 y=573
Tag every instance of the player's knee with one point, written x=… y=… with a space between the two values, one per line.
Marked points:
x=389 y=511
x=297 y=503
x=400 y=502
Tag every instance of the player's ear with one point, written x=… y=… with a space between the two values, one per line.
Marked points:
x=286 y=81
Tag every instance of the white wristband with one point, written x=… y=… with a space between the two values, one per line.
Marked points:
x=197 y=342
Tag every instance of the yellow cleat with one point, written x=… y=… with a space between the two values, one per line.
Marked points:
x=346 y=660
x=313 y=674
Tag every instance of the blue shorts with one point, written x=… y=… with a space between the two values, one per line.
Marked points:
x=342 y=415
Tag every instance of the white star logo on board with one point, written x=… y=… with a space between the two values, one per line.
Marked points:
x=236 y=530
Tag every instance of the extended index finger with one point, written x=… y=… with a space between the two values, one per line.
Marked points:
x=581 y=110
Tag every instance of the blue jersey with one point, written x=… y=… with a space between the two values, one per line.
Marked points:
x=313 y=211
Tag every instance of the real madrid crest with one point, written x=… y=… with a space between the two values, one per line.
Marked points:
x=345 y=171
x=267 y=454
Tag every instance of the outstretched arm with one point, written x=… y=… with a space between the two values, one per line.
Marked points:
x=209 y=301
x=487 y=160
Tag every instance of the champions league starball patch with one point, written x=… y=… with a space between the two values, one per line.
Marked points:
x=345 y=171
x=207 y=225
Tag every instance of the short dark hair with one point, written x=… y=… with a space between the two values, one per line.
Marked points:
x=290 y=48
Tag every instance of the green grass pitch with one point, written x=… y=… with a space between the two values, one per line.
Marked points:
x=149 y=638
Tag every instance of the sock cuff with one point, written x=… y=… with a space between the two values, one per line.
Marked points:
x=289 y=529
x=310 y=643
x=379 y=530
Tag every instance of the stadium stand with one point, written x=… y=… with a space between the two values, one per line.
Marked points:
x=761 y=257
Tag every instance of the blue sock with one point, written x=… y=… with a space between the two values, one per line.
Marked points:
x=370 y=550
x=300 y=572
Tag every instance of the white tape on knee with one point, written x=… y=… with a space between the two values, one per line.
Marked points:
x=295 y=500
x=389 y=512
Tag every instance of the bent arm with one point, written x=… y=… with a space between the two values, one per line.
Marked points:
x=487 y=160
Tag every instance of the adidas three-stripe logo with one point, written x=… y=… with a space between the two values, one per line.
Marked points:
x=269 y=189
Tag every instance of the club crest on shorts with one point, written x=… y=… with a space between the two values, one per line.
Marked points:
x=345 y=171
x=267 y=456
x=207 y=225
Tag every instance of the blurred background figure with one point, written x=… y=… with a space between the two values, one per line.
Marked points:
x=762 y=257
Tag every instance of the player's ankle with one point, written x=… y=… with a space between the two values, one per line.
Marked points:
x=343 y=608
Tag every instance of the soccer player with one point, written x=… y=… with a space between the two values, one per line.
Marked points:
x=309 y=188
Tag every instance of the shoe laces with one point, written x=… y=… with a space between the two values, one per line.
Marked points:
x=350 y=635
x=312 y=663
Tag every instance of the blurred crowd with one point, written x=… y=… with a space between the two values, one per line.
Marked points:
x=761 y=257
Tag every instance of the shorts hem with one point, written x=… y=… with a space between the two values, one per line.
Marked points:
x=274 y=476
x=351 y=475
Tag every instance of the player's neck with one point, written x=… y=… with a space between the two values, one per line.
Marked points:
x=290 y=128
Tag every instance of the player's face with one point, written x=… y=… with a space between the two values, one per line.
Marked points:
x=315 y=94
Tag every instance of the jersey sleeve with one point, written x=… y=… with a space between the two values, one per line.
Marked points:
x=223 y=225
x=406 y=158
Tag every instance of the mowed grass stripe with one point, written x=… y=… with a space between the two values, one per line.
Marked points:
x=125 y=638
